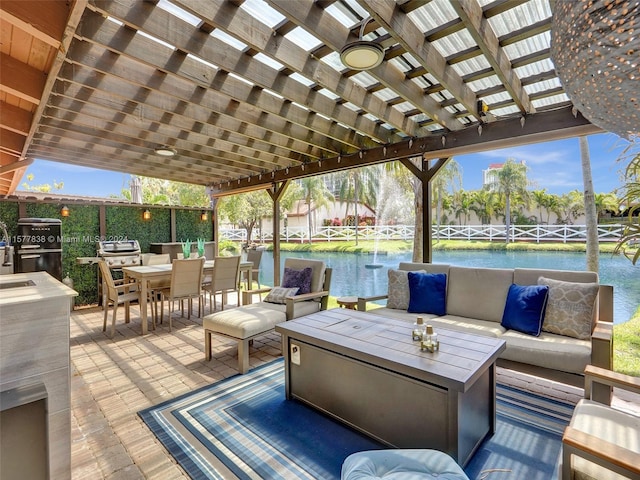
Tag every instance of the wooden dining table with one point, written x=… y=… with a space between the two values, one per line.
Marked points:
x=145 y=273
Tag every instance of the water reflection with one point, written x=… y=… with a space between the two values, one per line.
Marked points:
x=351 y=277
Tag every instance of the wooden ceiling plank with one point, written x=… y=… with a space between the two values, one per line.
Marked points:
x=392 y=19
x=239 y=159
x=72 y=22
x=15 y=119
x=479 y=28
x=224 y=140
x=44 y=20
x=210 y=126
x=498 y=7
x=20 y=79
x=251 y=31
x=541 y=127
x=109 y=153
x=333 y=33
x=241 y=91
x=12 y=142
x=127 y=70
x=526 y=32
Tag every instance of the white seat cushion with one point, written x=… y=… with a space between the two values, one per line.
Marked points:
x=609 y=424
x=246 y=321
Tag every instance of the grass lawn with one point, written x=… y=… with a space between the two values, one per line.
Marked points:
x=626 y=335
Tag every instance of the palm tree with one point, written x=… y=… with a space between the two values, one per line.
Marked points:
x=571 y=206
x=630 y=202
x=315 y=193
x=591 y=216
x=448 y=178
x=462 y=202
x=359 y=185
x=540 y=199
x=511 y=179
x=485 y=205
x=606 y=202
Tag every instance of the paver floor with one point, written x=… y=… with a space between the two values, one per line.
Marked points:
x=112 y=379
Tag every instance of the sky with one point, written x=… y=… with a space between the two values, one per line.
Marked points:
x=554 y=166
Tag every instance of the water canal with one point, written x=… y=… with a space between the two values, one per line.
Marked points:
x=351 y=277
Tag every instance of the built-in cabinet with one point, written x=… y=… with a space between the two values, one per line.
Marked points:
x=35 y=372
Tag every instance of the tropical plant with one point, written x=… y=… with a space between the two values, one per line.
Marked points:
x=606 y=202
x=246 y=209
x=186 y=249
x=511 y=179
x=629 y=243
x=461 y=205
x=570 y=206
x=200 y=247
x=156 y=191
x=315 y=194
x=484 y=204
x=44 y=187
x=358 y=185
x=448 y=179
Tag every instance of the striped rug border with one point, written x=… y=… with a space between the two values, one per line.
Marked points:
x=182 y=427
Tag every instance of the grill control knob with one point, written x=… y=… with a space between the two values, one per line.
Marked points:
x=110 y=262
x=123 y=261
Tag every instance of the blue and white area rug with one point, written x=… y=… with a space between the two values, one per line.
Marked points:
x=243 y=427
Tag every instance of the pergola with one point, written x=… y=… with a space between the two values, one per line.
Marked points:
x=241 y=95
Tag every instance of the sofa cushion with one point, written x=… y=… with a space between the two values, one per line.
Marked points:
x=478 y=292
x=300 y=279
x=278 y=294
x=569 y=308
x=427 y=293
x=469 y=325
x=317 y=277
x=524 y=308
x=398 y=290
x=400 y=314
x=552 y=351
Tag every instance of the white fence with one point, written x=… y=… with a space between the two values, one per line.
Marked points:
x=529 y=233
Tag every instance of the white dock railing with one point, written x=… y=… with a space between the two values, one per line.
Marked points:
x=529 y=233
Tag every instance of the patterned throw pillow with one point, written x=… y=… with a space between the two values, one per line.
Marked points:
x=298 y=278
x=398 y=289
x=569 y=308
x=278 y=294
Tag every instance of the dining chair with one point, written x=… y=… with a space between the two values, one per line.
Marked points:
x=254 y=256
x=116 y=292
x=224 y=279
x=186 y=284
x=154 y=286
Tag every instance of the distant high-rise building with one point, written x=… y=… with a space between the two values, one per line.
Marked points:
x=490 y=176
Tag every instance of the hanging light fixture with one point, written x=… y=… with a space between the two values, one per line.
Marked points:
x=362 y=54
x=64 y=211
x=146 y=215
x=166 y=151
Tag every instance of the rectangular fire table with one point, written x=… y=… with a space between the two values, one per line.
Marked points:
x=366 y=371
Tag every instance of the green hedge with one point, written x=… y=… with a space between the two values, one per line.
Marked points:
x=81 y=232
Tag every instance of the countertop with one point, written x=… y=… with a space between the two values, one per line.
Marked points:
x=45 y=286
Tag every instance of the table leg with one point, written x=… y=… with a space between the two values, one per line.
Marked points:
x=143 y=306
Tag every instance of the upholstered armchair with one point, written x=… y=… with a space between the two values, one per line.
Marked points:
x=602 y=442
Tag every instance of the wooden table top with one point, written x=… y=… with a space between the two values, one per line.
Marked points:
x=387 y=343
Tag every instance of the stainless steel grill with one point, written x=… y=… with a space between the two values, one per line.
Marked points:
x=120 y=253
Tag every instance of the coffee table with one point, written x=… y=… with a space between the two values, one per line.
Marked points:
x=366 y=371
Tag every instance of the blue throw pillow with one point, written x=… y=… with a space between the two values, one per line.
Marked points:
x=427 y=293
x=524 y=309
x=297 y=278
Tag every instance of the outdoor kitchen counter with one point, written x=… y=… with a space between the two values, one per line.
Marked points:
x=34 y=352
x=19 y=288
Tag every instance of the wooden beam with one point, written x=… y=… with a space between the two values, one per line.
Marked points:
x=20 y=79
x=15 y=119
x=12 y=142
x=540 y=127
x=479 y=28
x=12 y=167
x=247 y=28
x=405 y=32
x=329 y=30
x=44 y=20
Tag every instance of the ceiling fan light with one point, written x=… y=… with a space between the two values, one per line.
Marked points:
x=166 y=151
x=362 y=55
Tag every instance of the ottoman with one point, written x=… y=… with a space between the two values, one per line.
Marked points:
x=401 y=464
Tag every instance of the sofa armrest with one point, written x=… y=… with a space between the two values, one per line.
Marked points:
x=603 y=376
x=602 y=357
x=598 y=451
x=362 y=301
x=291 y=301
x=247 y=295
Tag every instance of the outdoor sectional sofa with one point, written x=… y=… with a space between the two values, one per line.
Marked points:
x=475 y=300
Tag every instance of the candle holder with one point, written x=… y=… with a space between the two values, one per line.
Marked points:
x=430 y=342
x=418 y=330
